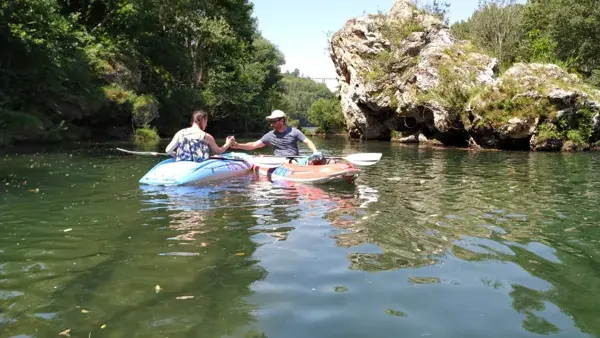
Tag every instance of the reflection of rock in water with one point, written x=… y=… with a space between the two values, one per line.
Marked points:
x=424 y=280
x=387 y=261
x=279 y=233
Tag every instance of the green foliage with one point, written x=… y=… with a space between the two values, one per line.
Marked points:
x=145 y=108
x=101 y=64
x=452 y=91
x=563 y=30
x=577 y=127
x=396 y=31
x=327 y=115
x=117 y=94
x=437 y=8
x=496 y=107
x=19 y=126
x=548 y=131
x=145 y=136
x=299 y=94
x=495 y=27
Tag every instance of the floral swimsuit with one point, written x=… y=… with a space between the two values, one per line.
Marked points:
x=192 y=149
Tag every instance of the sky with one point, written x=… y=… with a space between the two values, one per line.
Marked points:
x=299 y=28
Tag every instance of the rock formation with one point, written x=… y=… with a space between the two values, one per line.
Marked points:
x=404 y=76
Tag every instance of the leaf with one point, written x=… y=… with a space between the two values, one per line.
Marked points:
x=66 y=332
x=396 y=313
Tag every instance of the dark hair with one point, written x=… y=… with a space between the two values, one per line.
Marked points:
x=198 y=115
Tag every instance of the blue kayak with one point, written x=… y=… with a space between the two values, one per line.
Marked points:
x=171 y=172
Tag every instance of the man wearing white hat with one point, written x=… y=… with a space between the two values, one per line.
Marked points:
x=282 y=138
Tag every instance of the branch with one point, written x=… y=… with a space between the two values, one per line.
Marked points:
x=104 y=20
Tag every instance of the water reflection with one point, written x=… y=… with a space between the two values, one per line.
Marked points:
x=428 y=243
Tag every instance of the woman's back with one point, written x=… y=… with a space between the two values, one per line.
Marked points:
x=192 y=146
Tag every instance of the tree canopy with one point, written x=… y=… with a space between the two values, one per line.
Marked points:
x=73 y=69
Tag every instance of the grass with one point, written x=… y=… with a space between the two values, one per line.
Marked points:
x=145 y=136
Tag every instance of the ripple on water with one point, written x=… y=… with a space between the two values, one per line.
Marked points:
x=421 y=232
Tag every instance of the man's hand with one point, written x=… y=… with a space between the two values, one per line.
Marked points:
x=231 y=141
x=317 y=158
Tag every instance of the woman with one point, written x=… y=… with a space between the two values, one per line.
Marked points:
x=193 y=143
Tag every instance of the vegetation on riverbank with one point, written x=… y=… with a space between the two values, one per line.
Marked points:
x=135 y=69
x=104 y=69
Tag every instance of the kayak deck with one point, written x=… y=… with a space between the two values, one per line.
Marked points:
x=170 y=172
x=316 y=174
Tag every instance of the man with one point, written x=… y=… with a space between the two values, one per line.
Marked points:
x=283 y=139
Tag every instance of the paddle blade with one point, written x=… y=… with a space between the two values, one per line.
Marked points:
x=364 y=159
x=268 y=161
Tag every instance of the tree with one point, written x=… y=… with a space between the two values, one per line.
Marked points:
x=438 y=8
x=299 y=94
x=494 y=27
x=327 y=115
x=569 y=29
x=69 y=68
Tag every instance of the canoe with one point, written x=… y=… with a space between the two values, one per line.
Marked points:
x=170 y=172
x=314 y=174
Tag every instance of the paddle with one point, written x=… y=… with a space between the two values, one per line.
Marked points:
x=360 y=159
x=145 y=153
x=153 y=153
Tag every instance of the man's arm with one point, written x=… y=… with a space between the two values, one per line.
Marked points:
x=310 y=145
x=249 y=145
x=301 y=137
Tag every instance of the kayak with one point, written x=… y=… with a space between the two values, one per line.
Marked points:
x=170 y=172
x=315 y=174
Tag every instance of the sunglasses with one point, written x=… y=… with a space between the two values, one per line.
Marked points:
x=275 y=121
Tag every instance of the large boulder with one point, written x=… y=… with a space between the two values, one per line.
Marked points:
x=387 y=65
x=539 y=106
x=404 y=76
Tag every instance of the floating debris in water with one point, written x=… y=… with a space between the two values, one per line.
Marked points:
x=395 y=313
x=185 y=297
x=340 y=289
x=66 y=332
x=85 y=311
x=157 y=288
x=67 y=230
x=240 y=254
x=103 y=326
x=179 y=254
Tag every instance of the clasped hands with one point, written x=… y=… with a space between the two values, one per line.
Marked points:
x=230 y=142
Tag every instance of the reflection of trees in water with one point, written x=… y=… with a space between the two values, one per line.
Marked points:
x=120 y=291
x=473 y=206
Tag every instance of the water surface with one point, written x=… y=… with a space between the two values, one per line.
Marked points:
x=427 y=243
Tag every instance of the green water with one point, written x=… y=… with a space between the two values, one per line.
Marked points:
x=427 y=243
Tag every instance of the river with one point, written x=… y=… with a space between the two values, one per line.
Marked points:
x=427 y=243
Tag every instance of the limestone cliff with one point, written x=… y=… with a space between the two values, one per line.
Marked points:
x=404 y=76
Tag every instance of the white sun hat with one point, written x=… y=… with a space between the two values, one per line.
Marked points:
x=276 y=114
